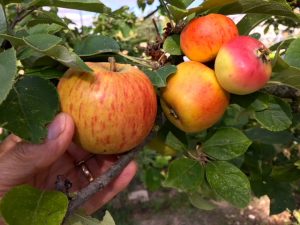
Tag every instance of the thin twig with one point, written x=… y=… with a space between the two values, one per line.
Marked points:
x=20 y=16
x=101 y=182
x=150 y=14
x=168 y=12
x=157 y=30
x=282 y=91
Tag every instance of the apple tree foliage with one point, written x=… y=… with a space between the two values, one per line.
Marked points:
x=252 y=151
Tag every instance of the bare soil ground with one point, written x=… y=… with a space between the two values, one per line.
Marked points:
x=173 y=208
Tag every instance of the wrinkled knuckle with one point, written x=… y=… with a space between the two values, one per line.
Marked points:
x=21 y=152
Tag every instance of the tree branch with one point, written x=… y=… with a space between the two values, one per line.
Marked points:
x=151 y=13
x=20 y=16
x=168 y=12
x=101 y=182
x=283 y=91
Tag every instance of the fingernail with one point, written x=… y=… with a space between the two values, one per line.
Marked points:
x=56 y=127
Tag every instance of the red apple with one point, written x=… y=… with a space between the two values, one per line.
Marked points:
x=202 y=38
x=243 y=66
x=193 y=100
x=113 y=111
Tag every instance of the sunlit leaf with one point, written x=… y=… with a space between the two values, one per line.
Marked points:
x=82 y=219
x=172 y=45
x=87 y=5
x=184 y=174
x=159 y=77
x=229 y=183
x=96 y=44
x=27 y=205
x=226 y=144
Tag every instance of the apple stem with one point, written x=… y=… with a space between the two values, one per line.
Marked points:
x=112 y=62
x=263 y=53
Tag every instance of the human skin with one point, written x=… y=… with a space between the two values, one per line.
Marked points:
x=39 y=165
x=193 y=100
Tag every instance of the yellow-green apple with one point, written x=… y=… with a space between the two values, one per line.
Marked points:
x=243 y=66
x=113 y=109
x=193 y=100
x=158 y=145
x=202 y=38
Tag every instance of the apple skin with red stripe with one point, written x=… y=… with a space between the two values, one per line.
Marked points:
x=202 y=38
x=113 y=111
x=242 y=65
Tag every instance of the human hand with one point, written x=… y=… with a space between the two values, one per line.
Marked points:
x=39 y=165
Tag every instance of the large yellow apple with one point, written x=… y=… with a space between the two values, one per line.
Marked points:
x=113 y=111
x=193 y=100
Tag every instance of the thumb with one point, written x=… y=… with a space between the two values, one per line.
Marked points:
x=25 y=159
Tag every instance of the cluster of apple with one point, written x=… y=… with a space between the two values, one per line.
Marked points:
x=114 y=108
x=197 y=96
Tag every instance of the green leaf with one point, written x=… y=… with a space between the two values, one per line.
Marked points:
x=45 y=17
x=289 y=76
x=8 y=72
x=184 y=174
x=226 y=144
x=229 y=7
x=270 y=7
x=281 y=44
x=29 y=107
x=81 y=219
x=159 y=77
x=172 y=45
x=278 y=64
x=280 y=193
x=96 y=44
x=15 y=41
x=30 y=58
x=3 y=24
x=46 y=73
x=67 y=58
x=42 y=42
x=200 y=202
x=153 y=178
x=177 y=13
x=27 y=205
x=209 y=4
x=286 y=173
x=55 y=51
x=51 y=49
x=250 y=21
x=268 y=137
x=180 y=3
x=259 y=152
x=229 y=183
x=297 y=164
x=276 y=116
x=235 y=116
x=45 y=28
x=292 y=55
x=87 y=5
